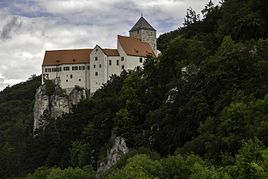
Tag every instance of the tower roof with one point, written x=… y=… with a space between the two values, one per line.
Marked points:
x=142 y=24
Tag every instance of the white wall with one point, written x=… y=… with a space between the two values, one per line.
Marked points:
x=71 y=78
x=98 y=66
x=114 y=69
x=134 y=61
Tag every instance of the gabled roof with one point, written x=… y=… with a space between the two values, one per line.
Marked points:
x=142 y=24
x=111 y=52
x=59 y=57
x=135 y=47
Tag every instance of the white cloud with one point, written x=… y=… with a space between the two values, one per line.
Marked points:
x=33 y=27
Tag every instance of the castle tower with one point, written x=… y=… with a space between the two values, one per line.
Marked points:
x=143 y=31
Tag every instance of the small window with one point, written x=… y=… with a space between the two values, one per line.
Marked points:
x=123 y=67
x=88 y=67
x=94 y=66
x=97 y=49
x=96 y=58
x=99 y=65
x=66 y=68
x=79 y=79
x=71 y=76
x=66 y=80
x=96 y=73
x=122 y=58
x=117 y=62
x=74 y=68
x=81 y=67
x=110 y=62
x=140 y=60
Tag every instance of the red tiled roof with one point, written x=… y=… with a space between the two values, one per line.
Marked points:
x=135 y=47
x=111 y=52
x=75 y=56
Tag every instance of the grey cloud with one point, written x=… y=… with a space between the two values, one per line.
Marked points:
x=12 y=25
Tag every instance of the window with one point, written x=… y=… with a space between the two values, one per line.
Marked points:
x=110 y=62
x=74 y=68
x=140 y=60
x=97 y=50
x=81 y=67
x=71 y=76
x=66 y=68
x=96 y=58
x=79 y=79
x=96 y=73
x=66 y=80
x=122 y=58
x=88 y=67
x=117 y=62
x=99 y=65
x=94 y=66
x=54 y=69
x=123 y=67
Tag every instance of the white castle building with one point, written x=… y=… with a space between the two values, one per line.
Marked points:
x=91 y=68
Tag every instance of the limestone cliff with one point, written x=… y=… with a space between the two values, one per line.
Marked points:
x=119 y=148
x=58 y=103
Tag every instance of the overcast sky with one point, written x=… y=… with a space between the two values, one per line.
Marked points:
x=29 y=27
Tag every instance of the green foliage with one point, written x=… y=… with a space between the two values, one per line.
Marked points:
x=251 y=161
x=79 y=154
x=177 y=166
x=16 y=116
x=50 y=87
x=56 y=173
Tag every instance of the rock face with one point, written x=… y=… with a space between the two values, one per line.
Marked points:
x=57 y=104
x=119 y=148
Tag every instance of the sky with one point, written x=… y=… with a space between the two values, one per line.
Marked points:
x=30 y=27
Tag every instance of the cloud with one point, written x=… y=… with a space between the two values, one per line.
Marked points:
x=12 y=25
x=30 y=27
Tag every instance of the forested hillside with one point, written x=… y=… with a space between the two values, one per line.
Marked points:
x=16 y=126
x=199 y=110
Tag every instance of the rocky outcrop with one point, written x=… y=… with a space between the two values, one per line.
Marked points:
x=119 y=148
x=56 y=105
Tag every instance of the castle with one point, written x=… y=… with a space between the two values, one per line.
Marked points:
x=91 y=68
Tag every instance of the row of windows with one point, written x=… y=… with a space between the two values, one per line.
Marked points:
x=74 y=68
x=52 y=69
